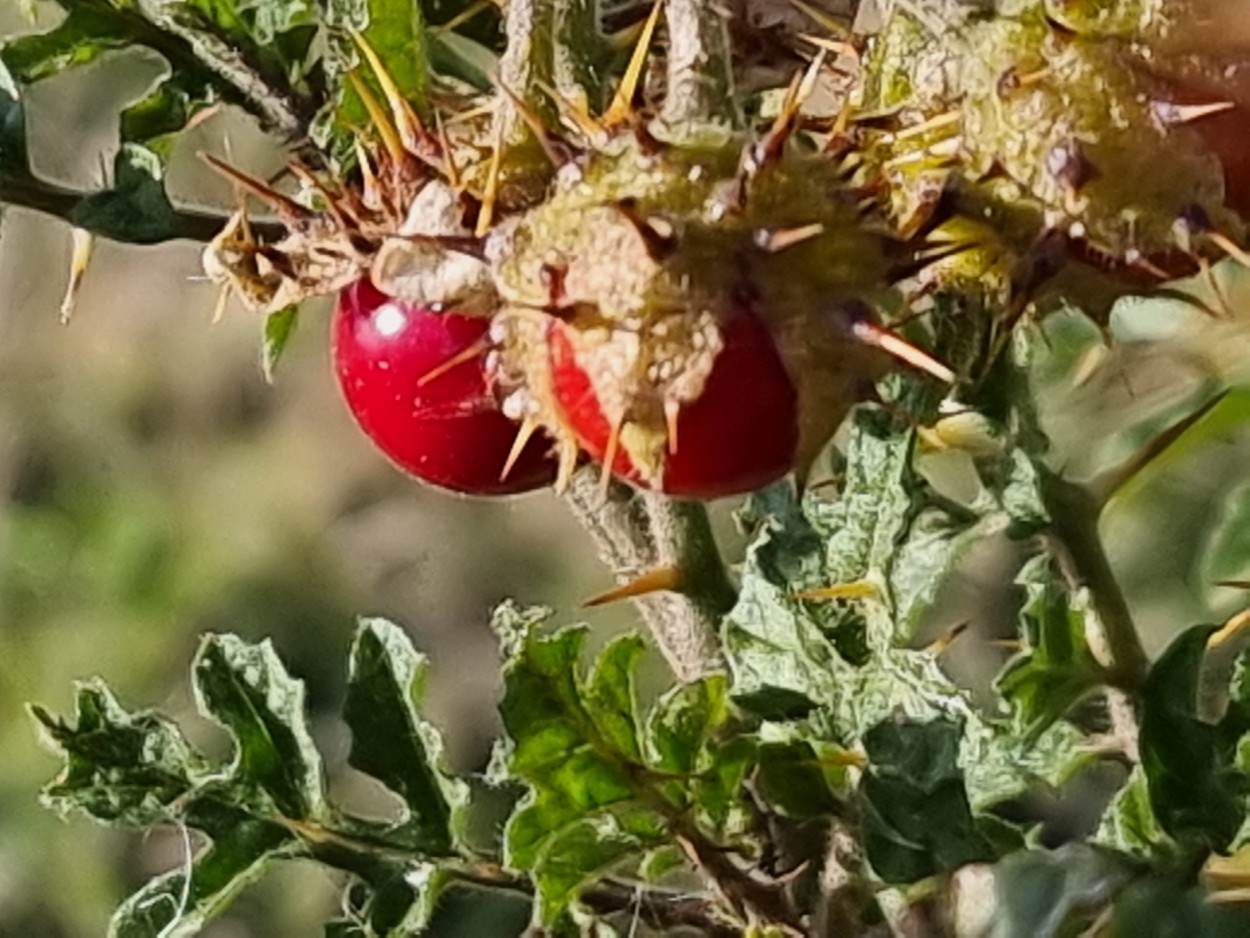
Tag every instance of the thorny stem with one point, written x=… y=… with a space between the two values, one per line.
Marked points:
x=635 y=533
x=700 y=68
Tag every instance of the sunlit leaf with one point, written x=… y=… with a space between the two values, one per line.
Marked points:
x=279 y=328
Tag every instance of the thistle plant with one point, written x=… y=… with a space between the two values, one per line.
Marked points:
x=628 y=252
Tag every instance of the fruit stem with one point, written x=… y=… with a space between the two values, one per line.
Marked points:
x=700 y=69
x=635 y=532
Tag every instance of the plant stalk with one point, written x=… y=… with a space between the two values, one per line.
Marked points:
x=700 y=94
x=635 y=533
x=1074 y=513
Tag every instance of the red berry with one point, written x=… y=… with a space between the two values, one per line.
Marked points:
x=448 y=430
x=741 y=433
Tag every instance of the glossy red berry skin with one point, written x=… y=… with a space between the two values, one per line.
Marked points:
x=449 y=431
x=739 y=435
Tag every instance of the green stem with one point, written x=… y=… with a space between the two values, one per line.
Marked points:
x=579 y=54
x=526 y=70
x=1074 y=512
x=635 y=533
x=700 y=93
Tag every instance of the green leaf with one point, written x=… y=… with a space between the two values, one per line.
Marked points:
x=279 y=327
x=1196 y=789
x=557 y=747
x=792 y=781
x=581 y=852
x=1044 y=894
x=1157 y=906
x=782 y=664
x=609 y=695
x=1056 y=669
x=136 y=209
x=1129 y=824
x=178 y=904
x=247 y=690
x=393 y=743
x=120 y=767
x=1227 y=553
x=917 y=819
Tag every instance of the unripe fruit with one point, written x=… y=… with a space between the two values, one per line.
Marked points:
x=442 y=426
x=741 y=433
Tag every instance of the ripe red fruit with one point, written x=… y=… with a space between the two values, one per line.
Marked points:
x=741 y=432
x=447 y=430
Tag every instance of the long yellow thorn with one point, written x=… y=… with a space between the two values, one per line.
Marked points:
x=387 y=131
x=622 y=105
x=523 y=435
x=411 y=131
x=486 y=216
x=661 y=579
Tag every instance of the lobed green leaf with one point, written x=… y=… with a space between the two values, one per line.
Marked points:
x=246 y=689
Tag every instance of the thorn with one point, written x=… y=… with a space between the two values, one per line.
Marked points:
x=450 y=169
x=80 y=257
x=661 y=579
x=779 y=239
x=577 y=115
x=656 y=232
x=371 y=190
x=470 y=114
x=940 y=122
x=836 y=46
x=556 y=154
x=1217 y=288
x=283 y=205
x=768 y=148
x=856 y=589
x=609 y=456
x=466 y=354
x=871 y=334
x=672 y=413
x=622 y=105
x=947 y=638
x=223 y=297
x=847 y=758
x=199 y=117
x=1171 y=113
x=1229 y=247
x=523 y=435
x=821 y=19
x=486 y=217
x=1014 y=80
x=1112 y=481
x=1233 y=584
x=566 y=465
x=381 y=121
x=1230 y=630
x=411 y=131
x=461 y=18
x=332 y=199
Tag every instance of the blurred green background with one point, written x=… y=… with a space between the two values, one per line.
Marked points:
x=153 y=487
